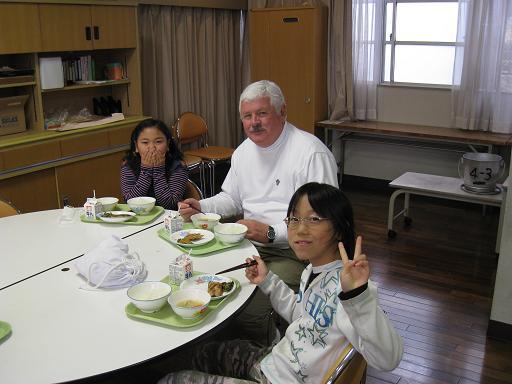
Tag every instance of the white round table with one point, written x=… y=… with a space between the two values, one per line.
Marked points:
x=61 y=332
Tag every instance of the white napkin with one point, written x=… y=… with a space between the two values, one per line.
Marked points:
x=109 y=265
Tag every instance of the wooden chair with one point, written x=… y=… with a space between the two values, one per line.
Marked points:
x=192 y=129
x=349 y=368
x=192 y=191
x=7 y=208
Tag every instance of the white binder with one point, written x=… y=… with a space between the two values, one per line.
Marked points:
x=52 y=75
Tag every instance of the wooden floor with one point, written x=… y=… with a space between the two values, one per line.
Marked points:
x=436 y=282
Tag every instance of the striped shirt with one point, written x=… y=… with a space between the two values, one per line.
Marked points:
x=152 y=182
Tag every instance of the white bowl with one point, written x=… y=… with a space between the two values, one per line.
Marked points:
x=230 y=232
x=141 y=205
x=108 y=203
x=149 y=296
x=177 y=299
x=205 y=220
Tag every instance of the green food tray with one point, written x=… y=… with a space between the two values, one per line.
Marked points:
x=5 y=328
x=136 y=220
x=212 y=246
x=166 y=316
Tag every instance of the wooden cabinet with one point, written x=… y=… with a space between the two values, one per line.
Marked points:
x=76 y=181
x=19 y=28
x=289 y=47
x=87 y=27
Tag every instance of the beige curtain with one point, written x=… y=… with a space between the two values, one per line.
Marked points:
x=339 y=54
x=191 y=61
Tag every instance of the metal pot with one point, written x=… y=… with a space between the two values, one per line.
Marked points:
x=481 y=171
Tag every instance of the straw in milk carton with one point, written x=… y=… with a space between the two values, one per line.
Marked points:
x=173 y=222
x=92 y=207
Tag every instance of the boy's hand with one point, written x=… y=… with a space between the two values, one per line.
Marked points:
x=256 y=273
x=355 y=272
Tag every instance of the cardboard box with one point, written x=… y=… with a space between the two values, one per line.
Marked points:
x=12 y=114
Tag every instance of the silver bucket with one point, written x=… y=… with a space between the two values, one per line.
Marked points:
x=481 y=171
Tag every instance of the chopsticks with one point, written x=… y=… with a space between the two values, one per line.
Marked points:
x=240 y=266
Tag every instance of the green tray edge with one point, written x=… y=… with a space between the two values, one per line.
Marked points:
x=202 y=249
x=132 y=311
x=147 y=218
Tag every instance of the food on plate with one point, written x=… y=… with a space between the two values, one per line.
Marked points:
x=112 y=214
x=216 y=289
x=189 y=303
x=191 y=237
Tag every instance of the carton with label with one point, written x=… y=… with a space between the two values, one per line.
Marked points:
x=180 y=269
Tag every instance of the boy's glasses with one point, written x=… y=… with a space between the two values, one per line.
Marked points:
x=312 y=221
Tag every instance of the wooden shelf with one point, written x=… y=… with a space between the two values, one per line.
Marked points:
x=17 y=81
x=74 y=87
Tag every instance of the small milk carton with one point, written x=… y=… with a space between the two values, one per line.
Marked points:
x=173 y=222
x=180 y=269
x=92 y=208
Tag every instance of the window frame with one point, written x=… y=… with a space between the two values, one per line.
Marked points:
x=393 y=43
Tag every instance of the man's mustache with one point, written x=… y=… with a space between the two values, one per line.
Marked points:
x=256 y=128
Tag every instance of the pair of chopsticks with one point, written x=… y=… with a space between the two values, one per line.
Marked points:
x=198 y=210
x=240 y=266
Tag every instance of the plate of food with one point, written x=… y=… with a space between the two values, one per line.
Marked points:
x=116 y=216
x=218 y=286
x=191 y=237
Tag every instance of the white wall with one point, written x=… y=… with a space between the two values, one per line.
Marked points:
x=422 y=106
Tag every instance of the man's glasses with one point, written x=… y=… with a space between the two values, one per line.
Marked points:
x=312 y=221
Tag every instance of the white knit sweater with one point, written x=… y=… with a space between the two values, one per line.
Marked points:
x=261 y=181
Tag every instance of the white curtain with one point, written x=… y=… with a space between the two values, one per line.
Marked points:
x=482 y=85
x=367 y=31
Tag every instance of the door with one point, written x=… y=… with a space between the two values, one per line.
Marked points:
x=114 y=26
x=65 y=27
x=19 y=28
x=283 y=50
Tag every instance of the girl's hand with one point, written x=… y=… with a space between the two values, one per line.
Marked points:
x=146 y=158
x=355 y=272
x=159 y=158
x=256 y=273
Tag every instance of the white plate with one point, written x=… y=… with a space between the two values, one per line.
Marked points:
x=207 y=237
x=116 y=218
x=201 y=282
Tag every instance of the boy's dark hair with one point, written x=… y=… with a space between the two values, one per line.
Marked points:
x=173 y=156
x=330 y=203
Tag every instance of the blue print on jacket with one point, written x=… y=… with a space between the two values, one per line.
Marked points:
x=323 y=309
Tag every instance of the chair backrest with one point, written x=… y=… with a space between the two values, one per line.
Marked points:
x=191 y=128
x=192 y=191
x=7 y=209
x=349 y=368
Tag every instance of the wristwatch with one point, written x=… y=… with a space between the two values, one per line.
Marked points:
x=271 y=234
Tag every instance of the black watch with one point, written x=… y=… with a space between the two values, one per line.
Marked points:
x=271 y=234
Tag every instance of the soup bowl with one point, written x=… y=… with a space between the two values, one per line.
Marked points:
x=190 y=302
x=230 y=233
x=205 y=220
x=141 y=205
x=108 y=203
x=149 y=296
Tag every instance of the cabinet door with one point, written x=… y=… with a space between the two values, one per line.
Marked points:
x=114 y=26
x=31 y=192
x=76 y=181
x=65 y=27
x=19 y=28
x=283 y=49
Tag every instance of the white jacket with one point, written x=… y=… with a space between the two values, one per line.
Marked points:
x=321 y=325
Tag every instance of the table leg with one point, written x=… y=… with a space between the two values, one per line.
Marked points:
x=391 y=212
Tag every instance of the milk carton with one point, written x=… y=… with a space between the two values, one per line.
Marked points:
x=180 y=269
x=92 y=208
x=173 y=222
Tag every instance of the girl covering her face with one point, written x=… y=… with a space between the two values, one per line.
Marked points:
x=153 y=165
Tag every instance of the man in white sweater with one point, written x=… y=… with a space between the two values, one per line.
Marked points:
x=266 y=169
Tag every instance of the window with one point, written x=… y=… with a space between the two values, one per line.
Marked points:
x=420 y=39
